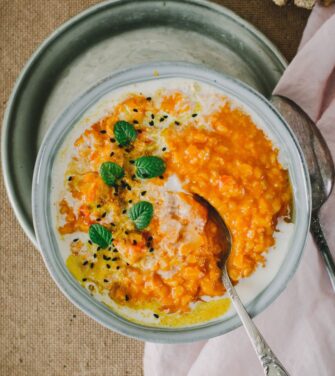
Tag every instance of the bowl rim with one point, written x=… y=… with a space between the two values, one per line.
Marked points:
x=41 y=182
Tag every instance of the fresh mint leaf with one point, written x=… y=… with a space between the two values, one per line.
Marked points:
x=141 y=214
x=110 y=172
x=100 y=235
x=124 y=133
x=149 y=167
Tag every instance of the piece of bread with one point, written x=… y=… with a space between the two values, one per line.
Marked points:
x=308 y=4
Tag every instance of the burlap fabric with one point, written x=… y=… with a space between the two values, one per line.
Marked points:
x=41 y=332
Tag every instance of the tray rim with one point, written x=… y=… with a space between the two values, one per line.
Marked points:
x=6 y=123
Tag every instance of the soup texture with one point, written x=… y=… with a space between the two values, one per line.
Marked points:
x=133 y=231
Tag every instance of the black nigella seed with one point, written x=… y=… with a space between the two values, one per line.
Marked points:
x=107 y=258
x=165 y=116
x=115 y=250
x=194 y=115
x=84 y=279
x=132 y=161
x=161 y=177
x=151 y=250
x=112 y=140
x=113 y=224
x=161 y=119
x=135 y=109
x=129 y=188
x=152 y=116
x=91 y=265
x=130 y=201
x=104 y=215
x=151 y=123
x=75 y=240
x=85 y=262
x=69 y=178
x=134 y=242
x=98 y=249
x=177 y=122
x=98 y=219
x=115 y=258
x=109 y=248
x=118 y=267
x=98 y=206
x=95 y=255
x=164 y=149
x=126 y=298
x=108 y=266
x=90 y=242
x=135 y=122
x=106 y=280
x=143 y=193
x=156 y=316
x=111 y=154
x=103 y=131
x=124 y=211
x=148 y=98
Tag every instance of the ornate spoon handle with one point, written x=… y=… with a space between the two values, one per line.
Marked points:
x=270 y=363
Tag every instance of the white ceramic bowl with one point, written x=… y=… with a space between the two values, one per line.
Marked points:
x=276 y=129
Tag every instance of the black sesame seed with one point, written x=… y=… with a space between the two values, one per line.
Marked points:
x=95 y=255
x=109 y=248
x=161 y=177
x=116 y=194
x=139 y=131
x=124 y=211
x=129 y=188
x=161 y=119
x=126 y=232
x=69 y=178
x=98 y=219
x=165 y=116
x=98 y=249
x=150 y=238
x=177 y=122
x=134 y=242
x=113 y=224
x=98 y=206
x=127 y=263
x=130 y=201
x=111 y=154
x=164 y=149
x=120 y=146
x=143 y=193
x=84 y=279
x=133 y=177
x=152 y=116
x=132 y=161
x=148 y=98
x=126 y=298
x=118 y=267
x=151 y=123
x=194 y=115
x=135 y=121
x=115 y=250
x=112 y=140
x=104 y=215
x=90 y=242
x=75 y=240
x=115 y=258
x=85 y=262
x=151 y=250
x=107 y=258
x=127 y=150
x=108 y=266
x=92 y=265
x=106 y=280
x=135 y=109
x=156 y=316
x=103 y=131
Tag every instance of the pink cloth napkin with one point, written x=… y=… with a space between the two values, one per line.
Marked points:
x=300 y=324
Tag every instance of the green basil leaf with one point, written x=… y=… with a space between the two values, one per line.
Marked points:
x=149 y=167
x=124 y=133
x=110 y=172
x=100 y=235
x=141 y=214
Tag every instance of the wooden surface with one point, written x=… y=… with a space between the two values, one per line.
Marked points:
x=41 y=332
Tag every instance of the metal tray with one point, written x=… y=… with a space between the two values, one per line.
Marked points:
x=113 y=35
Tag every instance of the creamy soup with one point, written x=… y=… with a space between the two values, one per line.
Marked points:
x=128 y=226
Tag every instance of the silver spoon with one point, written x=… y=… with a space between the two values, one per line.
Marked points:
x=270 y=363
x=320 y=168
